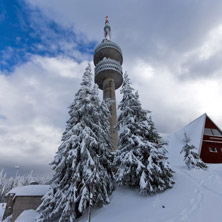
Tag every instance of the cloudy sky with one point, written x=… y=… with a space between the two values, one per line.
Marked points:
x=172 y=52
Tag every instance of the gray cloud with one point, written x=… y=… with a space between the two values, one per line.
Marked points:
x=40 y=170
x=35 y=98
x=206 y=68
x=159 y=32
x=140 y=27
x=164 y=47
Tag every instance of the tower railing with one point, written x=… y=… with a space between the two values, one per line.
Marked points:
x=106 y=64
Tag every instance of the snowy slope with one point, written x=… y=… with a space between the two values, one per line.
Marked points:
x=27 y=216
x=195 y=197
x=2 y=209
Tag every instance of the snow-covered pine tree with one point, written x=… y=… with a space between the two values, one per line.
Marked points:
x=141 y=161
x=82 y=164
x=191 y=156
x=2 y=185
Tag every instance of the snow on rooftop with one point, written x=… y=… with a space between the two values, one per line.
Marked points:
x=30 y=190
x=175 y=141
x=194 y=130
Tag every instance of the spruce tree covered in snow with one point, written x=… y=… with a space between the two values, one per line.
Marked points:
x=191 y=156
x=3 y=183
x=141 y=161
x=82 y=164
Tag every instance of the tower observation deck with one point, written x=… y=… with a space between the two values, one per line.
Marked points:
x=108 y=74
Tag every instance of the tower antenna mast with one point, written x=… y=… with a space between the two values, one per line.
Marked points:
x=107 y=29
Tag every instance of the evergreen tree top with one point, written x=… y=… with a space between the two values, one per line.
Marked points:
x=186 y=139
x=87 y=77
x=140 y=161
x=130 y=104
x=133 y=119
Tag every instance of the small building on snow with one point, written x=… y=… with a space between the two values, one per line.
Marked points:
x=24 y=198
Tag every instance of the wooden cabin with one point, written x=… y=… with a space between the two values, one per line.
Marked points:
x=203 y=133
x=211 y=143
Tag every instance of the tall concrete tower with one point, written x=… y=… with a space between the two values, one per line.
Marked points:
x=108 y=74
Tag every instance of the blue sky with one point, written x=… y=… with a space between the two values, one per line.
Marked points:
x=172 y=52
x=26 y=31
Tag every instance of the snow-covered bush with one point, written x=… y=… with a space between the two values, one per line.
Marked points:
x=191 y=156
x=140 y=161
x=83 y=175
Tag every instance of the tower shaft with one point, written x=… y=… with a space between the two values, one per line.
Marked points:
x=109 y=93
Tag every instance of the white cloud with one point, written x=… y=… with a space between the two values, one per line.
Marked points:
x=205 y=59
x=143 y=70
x=212 y=44
x=174 y=102
x=34 y=100
x=61 y=67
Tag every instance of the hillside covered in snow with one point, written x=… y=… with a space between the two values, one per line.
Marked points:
x=195 y=197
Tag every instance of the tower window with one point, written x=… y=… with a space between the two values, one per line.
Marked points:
x=213 y=149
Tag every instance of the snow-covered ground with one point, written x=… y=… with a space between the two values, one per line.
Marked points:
x=2 y=209
x=195 y=197
x=27 y=216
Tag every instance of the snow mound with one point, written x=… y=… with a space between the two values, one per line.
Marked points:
x=2 y=209
x=30 y=190
x=27 y=216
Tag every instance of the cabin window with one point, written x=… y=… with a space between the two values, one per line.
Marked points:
x=207 y=131
x=213 y=149
x=216 y=132
x=212 y=132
